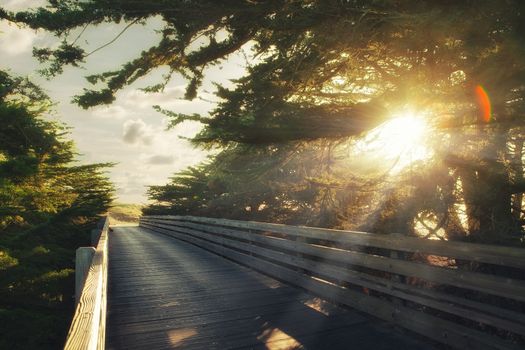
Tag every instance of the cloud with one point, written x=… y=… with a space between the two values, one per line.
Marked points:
x=14 y=40
x=169 y=97
x=161 y=159
x=187 y=128
x=130 y=187
x=23 y=5
x=136 y=131
x=111 y=112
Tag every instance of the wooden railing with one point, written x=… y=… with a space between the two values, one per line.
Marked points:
x=465 y=295
x=88 y=328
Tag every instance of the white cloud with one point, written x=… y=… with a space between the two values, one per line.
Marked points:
x=111 y=112
x=14 y=40
x=160 y=159
x=187 y=128
x=136 y=132
x=131 y=187
x=150 y=164
x=23 y=5
x=140 y=99
x=128 y=132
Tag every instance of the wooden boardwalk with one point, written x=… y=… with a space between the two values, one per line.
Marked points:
x=165 y=294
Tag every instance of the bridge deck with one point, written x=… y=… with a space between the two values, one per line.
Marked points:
x=165 y=294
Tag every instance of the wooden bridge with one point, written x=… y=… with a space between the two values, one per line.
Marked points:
x=202 y=283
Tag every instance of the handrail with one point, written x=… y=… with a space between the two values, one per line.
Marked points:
x=499 y=255
x=88 y=327
x=399 y=279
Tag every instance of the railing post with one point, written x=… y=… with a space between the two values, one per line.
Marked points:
x=83 y=258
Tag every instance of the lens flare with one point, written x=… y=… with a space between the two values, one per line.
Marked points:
x=485 y=108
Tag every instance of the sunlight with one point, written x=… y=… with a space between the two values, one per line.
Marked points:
x=177 y=336
x=401 y=141
x=318 y=305
x=274 y=339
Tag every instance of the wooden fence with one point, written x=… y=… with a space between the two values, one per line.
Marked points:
x=465 y=295
x=88 y=328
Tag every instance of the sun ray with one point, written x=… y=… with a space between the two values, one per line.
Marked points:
x=397 y=142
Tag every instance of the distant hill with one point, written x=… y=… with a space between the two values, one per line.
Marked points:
x=122 y=213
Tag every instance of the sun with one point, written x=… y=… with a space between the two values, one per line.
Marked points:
x=403 y=134
x=399 y=142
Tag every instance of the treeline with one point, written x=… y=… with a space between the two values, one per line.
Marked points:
x=313 y=184
x=48 y=205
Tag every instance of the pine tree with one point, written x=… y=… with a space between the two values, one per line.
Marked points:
x=48 y=204
x=330 y=70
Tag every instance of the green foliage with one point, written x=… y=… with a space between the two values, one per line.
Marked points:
x=45 y=328
x=322 y=72
x=277 y=184
x=7 y=261
x=47 y=207
x=328 y=70
x=318 y=61
x=65 y=54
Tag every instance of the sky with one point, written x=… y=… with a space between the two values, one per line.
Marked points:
x=128 y=132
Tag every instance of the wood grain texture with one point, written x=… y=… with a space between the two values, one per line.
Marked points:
x=83 y=259
x=474 y=311
x=328 y=269
x=463 y=279
x=88 y=327
x=506 y=256
x=165 y=293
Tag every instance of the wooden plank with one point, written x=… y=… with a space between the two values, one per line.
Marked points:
x=88 y=327
x=457 y=306
x=232 y=333
x=138 y=291
x=226 y=319
x=485 y=283
x=509 y=315
x=443 y=331
x=201 y=308
x=505 y=256
x=237 y=321
x=83 y=258
x=343 y=337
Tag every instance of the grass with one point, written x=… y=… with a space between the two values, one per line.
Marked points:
x=123 y=213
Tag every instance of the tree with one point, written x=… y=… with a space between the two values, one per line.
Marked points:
x=334 y=69
x=48 y=204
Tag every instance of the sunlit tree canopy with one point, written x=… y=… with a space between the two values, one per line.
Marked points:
x=324 y=81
